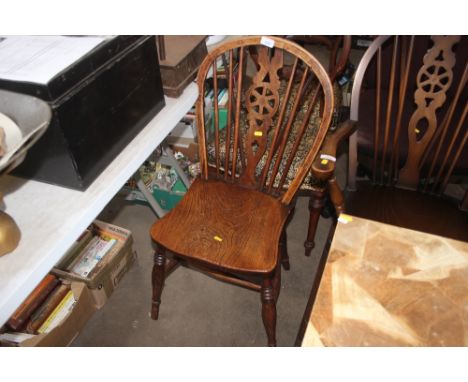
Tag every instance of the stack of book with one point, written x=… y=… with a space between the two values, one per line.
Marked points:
x=91 y=248
x=59 y=306
x=89 y=252
x=223 y=97
x=43 y=310
x=99 y=258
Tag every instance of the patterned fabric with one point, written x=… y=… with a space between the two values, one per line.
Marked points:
x=309 y=182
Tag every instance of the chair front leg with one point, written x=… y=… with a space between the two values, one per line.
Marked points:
x=269 y=309
x=158 y=280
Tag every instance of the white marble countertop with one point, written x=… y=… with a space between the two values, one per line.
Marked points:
x=52 y=217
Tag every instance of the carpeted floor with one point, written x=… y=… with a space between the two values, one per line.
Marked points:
x=197 y=310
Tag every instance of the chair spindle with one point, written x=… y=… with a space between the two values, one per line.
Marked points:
x=389 y=109
x=377 y=114
x=458 y=152
x=229 y=117
x=299 y=136
x=216 y=114
x=279 y=124
x=237 y=116
x=444 y=129
x=406 y=56
x=287 y=130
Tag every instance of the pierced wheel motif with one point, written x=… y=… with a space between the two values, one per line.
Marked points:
x=262 y=101
x=435 y=78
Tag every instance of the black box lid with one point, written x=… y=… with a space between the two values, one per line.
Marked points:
x=76 y=73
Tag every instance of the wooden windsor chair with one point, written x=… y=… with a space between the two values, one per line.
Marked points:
x=232 y=220
x=410 y=100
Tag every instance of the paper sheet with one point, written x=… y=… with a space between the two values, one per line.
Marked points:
x=38 y=59
x=15 y=337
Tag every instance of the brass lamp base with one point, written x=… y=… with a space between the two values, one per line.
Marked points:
x=9 y=234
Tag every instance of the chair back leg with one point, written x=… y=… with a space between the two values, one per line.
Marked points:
x=283 y=248
x=316 y=203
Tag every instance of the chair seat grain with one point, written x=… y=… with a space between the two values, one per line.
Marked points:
x=241 y=236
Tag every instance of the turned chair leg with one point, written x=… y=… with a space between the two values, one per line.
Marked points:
x=158 y=280
x=283 y=244
x=276 y=283
x=284 y=250
x=269 y=310
x=316 y=202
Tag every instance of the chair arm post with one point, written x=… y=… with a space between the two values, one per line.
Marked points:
x=336 y=195
x=324 y=170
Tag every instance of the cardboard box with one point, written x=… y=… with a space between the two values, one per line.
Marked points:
x=99 y=104
x=112 y=278
x=169 y=199
x=184 y=129
x=110 y=269
x=68 y=330
x=186 y=146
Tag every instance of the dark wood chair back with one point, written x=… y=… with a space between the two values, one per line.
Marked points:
x=274 y=112
x=338 y=57
x=410 y=100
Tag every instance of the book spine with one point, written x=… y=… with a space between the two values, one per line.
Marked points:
x=41 y=314
x=59 y=313
x=89 y=245
x=93 y=256
x=224 y=99
x=223 y=93
x=34 y=300
x=109 y=232
x=76 y=248
x=13 y=339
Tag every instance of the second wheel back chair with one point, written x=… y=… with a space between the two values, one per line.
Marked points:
x=232 y=219
x=410 y=102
